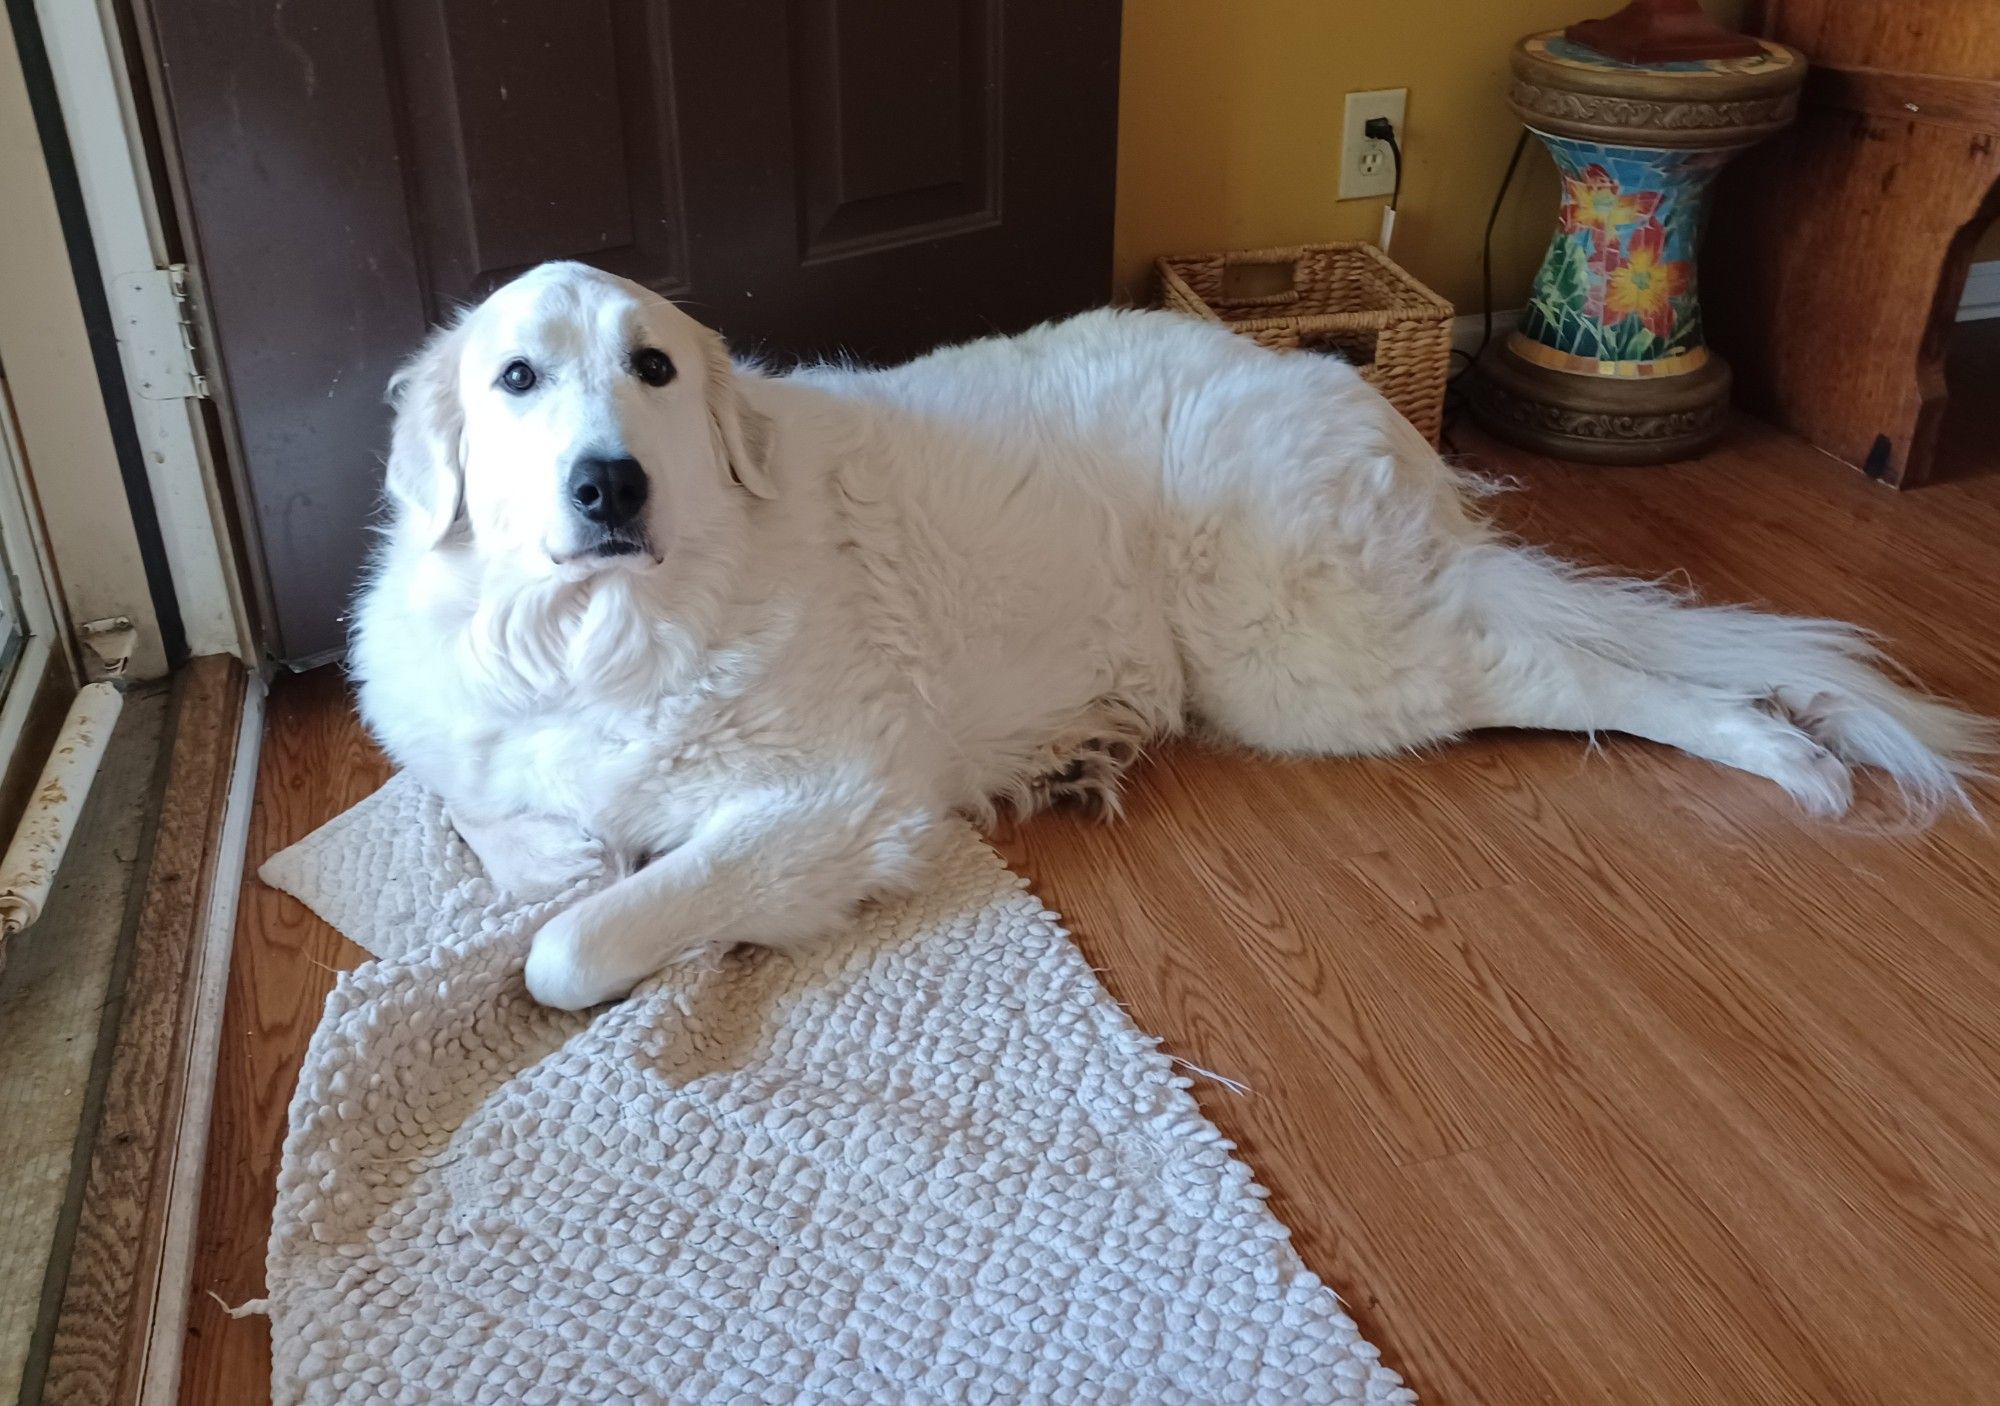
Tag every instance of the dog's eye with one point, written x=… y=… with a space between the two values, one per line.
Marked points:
x=652 y=366
x=518 y=377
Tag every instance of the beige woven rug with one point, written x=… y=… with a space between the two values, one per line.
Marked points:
x=931 y=1162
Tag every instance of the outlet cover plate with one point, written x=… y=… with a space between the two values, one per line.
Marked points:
x=1366 y=167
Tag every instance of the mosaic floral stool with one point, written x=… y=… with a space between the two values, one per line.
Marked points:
x=1608 y=363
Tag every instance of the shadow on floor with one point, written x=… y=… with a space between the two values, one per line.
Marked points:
x=1969 y=445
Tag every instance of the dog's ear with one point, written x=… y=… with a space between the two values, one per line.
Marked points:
x=744 y=435
x=427 y=449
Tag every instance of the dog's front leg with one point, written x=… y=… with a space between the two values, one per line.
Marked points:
x=777 y=869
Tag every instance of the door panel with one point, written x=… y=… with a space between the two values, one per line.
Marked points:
x=869 y=177
x=514 y=161
x=897 y=114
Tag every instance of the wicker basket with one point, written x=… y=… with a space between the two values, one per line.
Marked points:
x=1349 y=298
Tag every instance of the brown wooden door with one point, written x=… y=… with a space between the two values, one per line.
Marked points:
x=810 y=176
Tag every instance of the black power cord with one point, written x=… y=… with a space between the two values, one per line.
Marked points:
x=1381 y=129
x=1486 y=246
x=1454 y=394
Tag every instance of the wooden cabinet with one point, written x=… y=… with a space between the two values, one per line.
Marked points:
x=1851 y=234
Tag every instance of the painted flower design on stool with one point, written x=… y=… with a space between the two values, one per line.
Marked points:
x=1615 y=295
x=1593 y=204
x=1645 y=283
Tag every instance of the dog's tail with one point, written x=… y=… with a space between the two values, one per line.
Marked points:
x=1828 y=678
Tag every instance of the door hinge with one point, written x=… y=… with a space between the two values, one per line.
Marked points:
x=157 y=331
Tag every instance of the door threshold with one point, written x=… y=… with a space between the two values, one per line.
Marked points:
x=60 y=980
x=122 y=1295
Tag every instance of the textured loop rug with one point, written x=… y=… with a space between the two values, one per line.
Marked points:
x=931 y=1162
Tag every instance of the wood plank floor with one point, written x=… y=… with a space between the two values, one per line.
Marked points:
x=1587 y=1074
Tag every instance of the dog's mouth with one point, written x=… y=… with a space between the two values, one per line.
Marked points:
x=623 y=548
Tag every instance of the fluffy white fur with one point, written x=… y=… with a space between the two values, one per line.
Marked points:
x=871 y=599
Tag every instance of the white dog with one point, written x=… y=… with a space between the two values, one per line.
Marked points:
x=756 y=639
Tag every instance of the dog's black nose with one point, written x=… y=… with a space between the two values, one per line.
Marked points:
x=608 y=492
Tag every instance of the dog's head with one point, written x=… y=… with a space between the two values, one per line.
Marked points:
x=572 y=423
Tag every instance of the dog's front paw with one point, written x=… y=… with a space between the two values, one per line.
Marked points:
x=564 y=967
x=594 y=952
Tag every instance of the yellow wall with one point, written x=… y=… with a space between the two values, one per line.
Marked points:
x=1229 y=130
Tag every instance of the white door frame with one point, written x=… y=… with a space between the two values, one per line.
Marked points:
x=75 y=486
x=44 y=647
x=65 y=429
x=100 y=112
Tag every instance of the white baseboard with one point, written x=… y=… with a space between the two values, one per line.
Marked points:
x=1466 y=331
x=1982 y=292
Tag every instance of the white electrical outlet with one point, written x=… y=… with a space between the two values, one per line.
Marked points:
x=1366 y=167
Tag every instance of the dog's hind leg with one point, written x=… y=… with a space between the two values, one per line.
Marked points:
x=1563 y=687
x=1500 y=637
x=1305 y=700
x=1796 y=700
